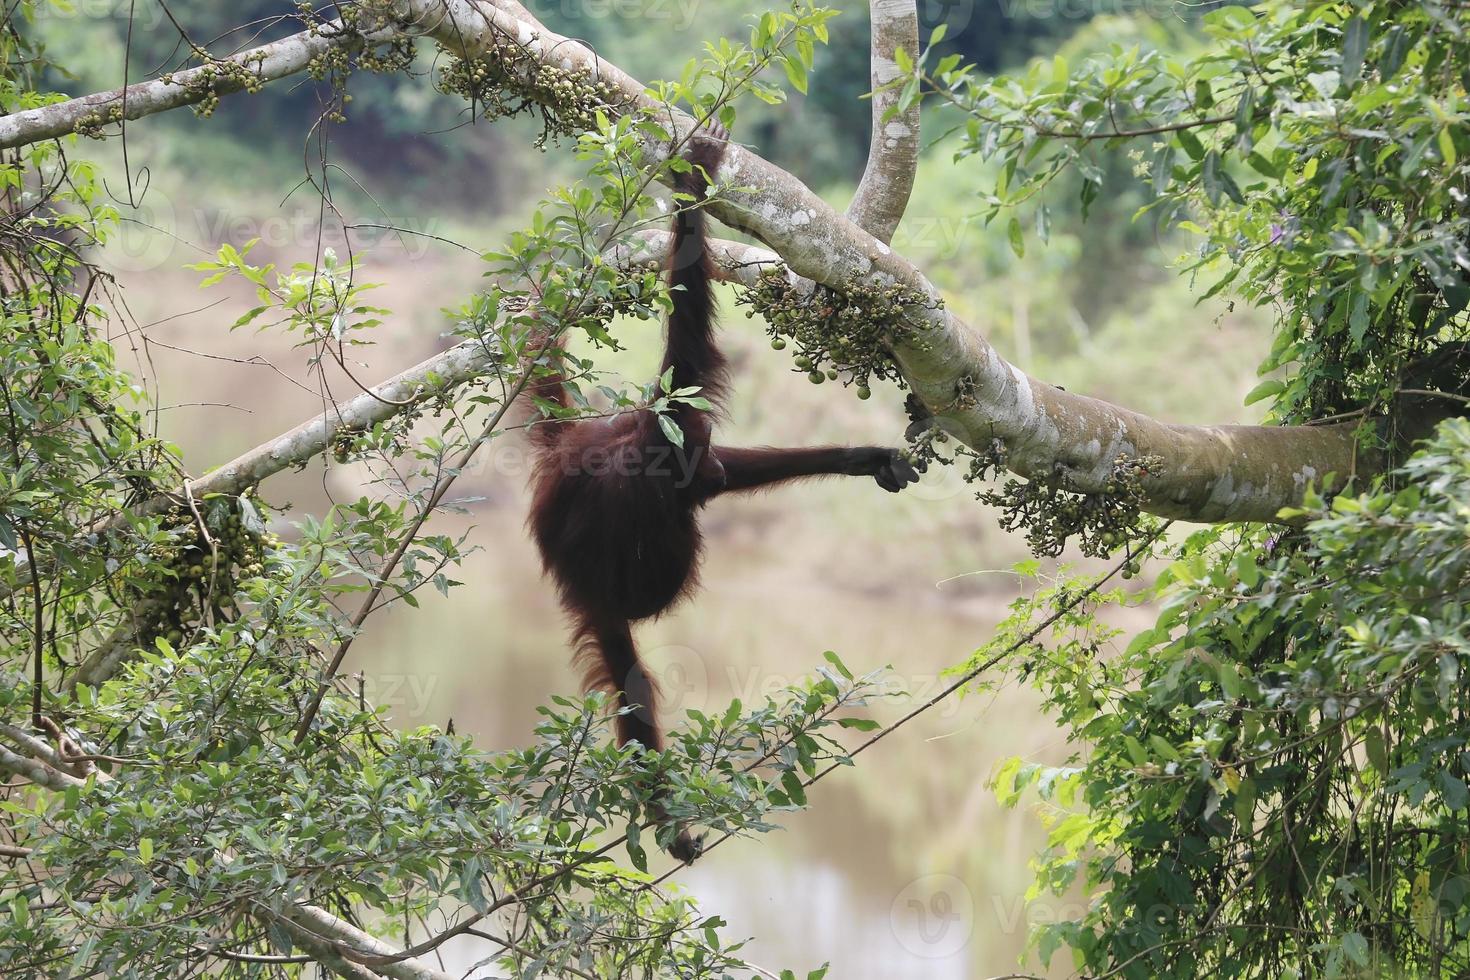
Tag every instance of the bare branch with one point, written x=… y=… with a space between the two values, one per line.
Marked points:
x=342 y=944
x=893 y=147
x=265 y=63
x=430 y=378
x=38 y=772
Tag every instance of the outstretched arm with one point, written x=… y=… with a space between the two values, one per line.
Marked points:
x=751 y=469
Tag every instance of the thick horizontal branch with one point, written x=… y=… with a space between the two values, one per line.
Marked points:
x=893 y=146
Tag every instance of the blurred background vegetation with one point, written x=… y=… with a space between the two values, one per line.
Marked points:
x=906 y=867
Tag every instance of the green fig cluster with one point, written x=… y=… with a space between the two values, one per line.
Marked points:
x=207 y=570
x=510 y=81
x=840 y=334
x=1052 y=513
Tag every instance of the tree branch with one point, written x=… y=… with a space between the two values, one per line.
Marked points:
x=15 y=764
x=893 y=148
x=336 y=940
x=268 y=62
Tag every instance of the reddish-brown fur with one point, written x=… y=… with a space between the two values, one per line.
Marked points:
x=615 y=503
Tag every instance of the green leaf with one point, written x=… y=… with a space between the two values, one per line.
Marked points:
x=1229 y=679
x=248 y=317
x=1245 y=803
x=1358 y=317
x=791 y=782
x=1263 y=166
x=795 y=72
x=1354 y=46
x=1162 y=746
x=1018 y=242
x=636 y=853
x=1398 y=45
x=1163 y=169
x=1190 y=143
x=831 y=657
x=671 y=430
x=1456 y=794
x=1204 y=98
x=1217 y=182
x=1376 y=750
x=1265 y=389
x=1244 y=110
x=1246 y=569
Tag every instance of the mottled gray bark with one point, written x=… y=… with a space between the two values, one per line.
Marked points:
x=319 y=928
x=893 y=147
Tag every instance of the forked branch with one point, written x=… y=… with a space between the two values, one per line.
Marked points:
x=893 y=148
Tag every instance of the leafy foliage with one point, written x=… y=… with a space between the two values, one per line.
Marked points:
x=201 y=791
x=1317 y=150
x=1274 y=782
x=1270 y=781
